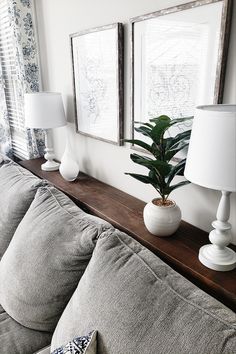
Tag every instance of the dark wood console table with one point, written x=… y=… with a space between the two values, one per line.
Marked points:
x=180 y=251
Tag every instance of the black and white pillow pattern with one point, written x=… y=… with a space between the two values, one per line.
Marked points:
x=80 y=345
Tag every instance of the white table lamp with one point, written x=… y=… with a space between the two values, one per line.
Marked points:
x=211 y=163
x=45 y=110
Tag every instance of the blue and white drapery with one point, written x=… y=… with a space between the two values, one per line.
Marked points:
x=5 y=136
x=27 y=70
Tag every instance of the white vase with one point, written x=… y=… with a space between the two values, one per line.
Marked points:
x=161 y=220
x=69 y=168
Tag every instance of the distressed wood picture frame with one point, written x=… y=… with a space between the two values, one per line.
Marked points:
x=97 y=60
x=174 y=67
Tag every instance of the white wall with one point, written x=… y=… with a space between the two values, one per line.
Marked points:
x=59 y=18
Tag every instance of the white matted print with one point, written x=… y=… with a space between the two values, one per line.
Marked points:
x=98 y=82
x=178 y=60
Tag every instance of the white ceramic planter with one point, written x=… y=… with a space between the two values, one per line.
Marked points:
x=161 y=220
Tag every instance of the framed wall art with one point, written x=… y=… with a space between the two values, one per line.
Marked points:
x=178 y=60
x=97 y=58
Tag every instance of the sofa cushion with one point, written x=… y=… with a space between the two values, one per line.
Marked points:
x=16 y=339
x=139 y=304
x=17 y=187
x=46 y=258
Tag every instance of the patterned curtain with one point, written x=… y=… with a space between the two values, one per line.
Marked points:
x=5 y=136
x=27 y=64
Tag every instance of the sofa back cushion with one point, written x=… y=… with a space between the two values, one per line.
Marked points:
x=17 y=339
x=46 y=258
x=138 y=304
x=17 y=189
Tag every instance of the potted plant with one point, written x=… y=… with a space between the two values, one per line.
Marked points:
x=161 y=216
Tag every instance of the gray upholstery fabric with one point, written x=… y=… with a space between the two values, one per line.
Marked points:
x=17 y=189
x=46 y=258
x=45 y=350
x=138 y=304
x=16 y=339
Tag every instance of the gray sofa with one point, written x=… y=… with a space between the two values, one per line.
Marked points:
x=65 y=273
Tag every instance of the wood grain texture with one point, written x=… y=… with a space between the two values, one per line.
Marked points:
x=180 y=250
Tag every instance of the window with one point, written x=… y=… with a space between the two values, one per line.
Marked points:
x=12 y=87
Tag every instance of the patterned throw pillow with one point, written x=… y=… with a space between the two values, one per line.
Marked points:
x=80 y=345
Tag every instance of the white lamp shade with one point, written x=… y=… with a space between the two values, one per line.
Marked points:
x=211 y=159
x=44 y=110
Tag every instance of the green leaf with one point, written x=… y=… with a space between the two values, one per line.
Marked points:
x=142 y=160
x=144 y=130
x=180 y=120
x=155 y=178
x=176 y=144
x=155 y=151
x=172 y=141
x=179 y=146
x=135 y=157
x=141 y=178
x=148 y=125
x=177 y=170
x=175 y=186
x=161 y=167
x=140 y=143
x=144 y=179
x=163 y=117
x=172 y=152
x=162 y=124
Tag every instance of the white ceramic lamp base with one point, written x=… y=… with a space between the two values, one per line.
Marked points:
x=217 y=259
x=50 y=164
x=217 y=256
